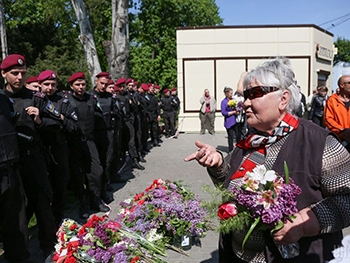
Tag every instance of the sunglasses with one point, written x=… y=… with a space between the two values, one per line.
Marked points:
x=258 y=91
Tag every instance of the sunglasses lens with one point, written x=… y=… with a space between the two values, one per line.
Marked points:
x=257 y=92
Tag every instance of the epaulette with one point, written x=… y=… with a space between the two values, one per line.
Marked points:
x=65 y=100
x=39 y=94
x=93 y=96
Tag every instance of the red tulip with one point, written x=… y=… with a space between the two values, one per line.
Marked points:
x=227 y=210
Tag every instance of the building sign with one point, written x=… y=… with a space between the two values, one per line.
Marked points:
x=324 y=53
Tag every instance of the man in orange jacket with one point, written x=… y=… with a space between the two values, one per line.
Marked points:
x=337 y=112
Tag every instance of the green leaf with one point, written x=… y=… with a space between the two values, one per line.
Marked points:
x=286 y=171
x=256 y=222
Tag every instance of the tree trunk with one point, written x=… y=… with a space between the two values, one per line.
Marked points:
x=3 y=32
x=117 y=50
x=87 y=39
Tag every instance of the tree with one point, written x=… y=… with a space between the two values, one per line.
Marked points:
x=87 y=39
x=3 y=32
x=343 y=54
x=117 y=50
x=153 y=35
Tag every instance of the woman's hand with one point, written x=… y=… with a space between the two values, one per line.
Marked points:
x=305 y=224
x=230 y=113
x=206 y=155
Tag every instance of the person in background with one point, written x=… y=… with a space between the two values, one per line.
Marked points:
x=301 y=109
x=229 y=114
x=153 y=115
x=337 y=111
x=176 y=106
x=110 y=87
x=13 y=222
x=32 y=84
x=167 y=105
x=280 y=137
x=144 y=99
x=317 y=106
x=207 y=112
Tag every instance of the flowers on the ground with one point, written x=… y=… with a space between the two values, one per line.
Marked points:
x=103 y=240
x=146 y=224
x=165 y=210
x=262 y=199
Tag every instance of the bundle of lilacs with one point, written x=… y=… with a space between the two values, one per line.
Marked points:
x=164 y=213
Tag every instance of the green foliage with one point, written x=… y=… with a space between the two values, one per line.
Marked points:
x=153 y=35
x=343 y=46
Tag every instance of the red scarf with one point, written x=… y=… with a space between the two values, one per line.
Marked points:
x=257 y=143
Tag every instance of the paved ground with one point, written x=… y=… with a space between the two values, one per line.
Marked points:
x=164 y=162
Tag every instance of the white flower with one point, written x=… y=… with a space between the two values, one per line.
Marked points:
x=128 y=201
x=261 y=175
x=153 y=236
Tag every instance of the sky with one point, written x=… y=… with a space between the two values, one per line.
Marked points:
x=332 y=15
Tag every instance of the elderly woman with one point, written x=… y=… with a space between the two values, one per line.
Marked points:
x=317 y=162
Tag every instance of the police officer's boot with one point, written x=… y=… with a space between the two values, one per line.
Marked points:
x=156 y=143
x=135 y=164
x=97 y=205
x=141 y=158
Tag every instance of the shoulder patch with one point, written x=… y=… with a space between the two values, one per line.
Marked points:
x=51 y=108
x=65 y=100
x=74 y=116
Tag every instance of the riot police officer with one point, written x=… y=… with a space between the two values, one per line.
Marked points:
x=36 y=112
x=128 y=124
x=104 y=135
x=13 y=227
x=84 y=161
x=167 y=105
x=55 y=142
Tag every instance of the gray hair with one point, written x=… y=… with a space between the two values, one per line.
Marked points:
x=277 y=73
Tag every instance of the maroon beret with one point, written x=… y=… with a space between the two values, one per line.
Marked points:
x=136 y=83
x=103 y=75
x=47 y=75
x=129 y=81
x=120 y=81
x=156 y=86
x=116 y=87
x=145 y=87
x=111 y=82
x=174 y=89
x=166 y=90
x=12 y=61
x=32 y=79
x=75 y=76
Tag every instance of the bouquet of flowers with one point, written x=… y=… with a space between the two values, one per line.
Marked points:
x=237 y=104
x=103 y=240
x=165 y=212
x=262 y=200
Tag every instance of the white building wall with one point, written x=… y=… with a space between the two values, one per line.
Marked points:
x=213 y=58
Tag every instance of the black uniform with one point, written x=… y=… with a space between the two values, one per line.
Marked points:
x=32 y=162
x=104 y=136
x=144 y=122
x=129 y=130
x=84 y=161
x=176 y=107
x=117 y=123
x=13 y=223
x=56 y=152
x=153 y=113
x=167 y=105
